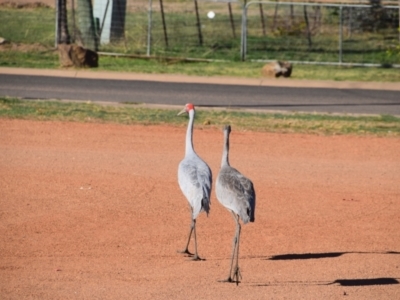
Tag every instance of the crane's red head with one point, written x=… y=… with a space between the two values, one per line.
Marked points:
x=188 y=107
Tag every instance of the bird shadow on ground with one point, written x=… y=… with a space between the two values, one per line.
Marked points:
x=341 y=282
x=365 y=281
x=300 y=256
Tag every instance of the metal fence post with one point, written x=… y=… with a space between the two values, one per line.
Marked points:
x=243 y=40
x=56 y=27
x=340 y=34
x=149 y=28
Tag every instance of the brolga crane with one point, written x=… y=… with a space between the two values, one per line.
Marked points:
x=195 y=180
x=236 y=193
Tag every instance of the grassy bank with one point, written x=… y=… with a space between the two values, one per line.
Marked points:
x=48 y=59
x=136 y=114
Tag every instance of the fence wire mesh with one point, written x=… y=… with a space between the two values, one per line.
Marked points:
x=357 y=34
x=213 y=29
x=198 y=29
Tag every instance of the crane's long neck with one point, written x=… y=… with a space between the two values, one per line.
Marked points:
x=225 y=152
x=189 y=133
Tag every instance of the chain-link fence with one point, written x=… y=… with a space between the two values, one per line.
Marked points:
x=217 y=29
x=321 y=33
x=186 y=28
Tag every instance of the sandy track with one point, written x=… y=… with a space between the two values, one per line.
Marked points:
x=94 y=211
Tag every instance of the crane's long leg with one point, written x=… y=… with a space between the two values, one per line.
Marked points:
x=186 y=250
x=229 y=279
x=192 y=230
x=236 y=272
x=196 y=256
x=235 y=251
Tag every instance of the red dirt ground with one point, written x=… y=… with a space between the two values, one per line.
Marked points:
x=94 y=211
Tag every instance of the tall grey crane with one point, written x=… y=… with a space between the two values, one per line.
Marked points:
x=236 y=193
x=195 y=180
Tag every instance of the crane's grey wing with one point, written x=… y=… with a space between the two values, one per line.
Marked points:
x=236 y=192
x=195 y=181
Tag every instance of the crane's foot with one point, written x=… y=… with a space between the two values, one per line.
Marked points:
x=197 y=258
x=193 y=256
x=237 y=276
x=230 y=280
x=186 y=251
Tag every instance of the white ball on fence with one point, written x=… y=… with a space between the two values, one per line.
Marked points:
x=211 y=14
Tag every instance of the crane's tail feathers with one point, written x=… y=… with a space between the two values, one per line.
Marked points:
x=205 y=201
x=205 y=205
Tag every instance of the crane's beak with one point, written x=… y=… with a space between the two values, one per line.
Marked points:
x=182 y=112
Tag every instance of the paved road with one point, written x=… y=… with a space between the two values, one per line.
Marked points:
x=244 y=94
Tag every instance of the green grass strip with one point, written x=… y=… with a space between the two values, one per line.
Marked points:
x=323 y=124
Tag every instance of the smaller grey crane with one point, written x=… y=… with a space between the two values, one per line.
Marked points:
x=195 y=180
x=236 y=193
